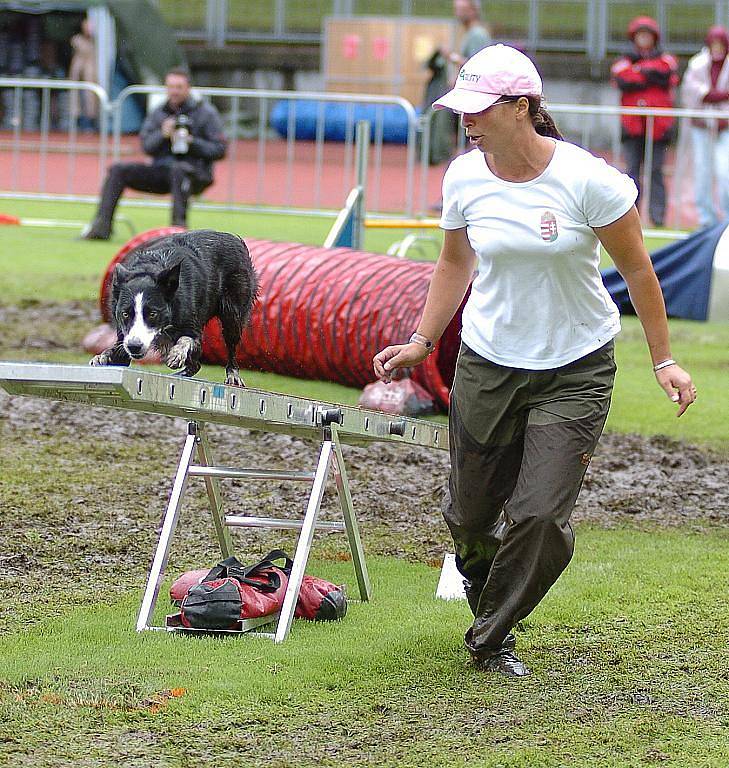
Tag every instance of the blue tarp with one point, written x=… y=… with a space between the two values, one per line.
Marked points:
x=340 y=119
x=684 y=271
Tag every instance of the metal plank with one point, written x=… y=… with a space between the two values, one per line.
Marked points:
x=244 y=521
x=169 y=395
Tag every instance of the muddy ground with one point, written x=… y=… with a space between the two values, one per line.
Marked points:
x=82 y=489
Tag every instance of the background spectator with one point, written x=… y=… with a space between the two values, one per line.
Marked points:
x=646 y=78
x=184 y=137
x=475 y=37
x=444 y=125
x=83 y=68
x=706 y=86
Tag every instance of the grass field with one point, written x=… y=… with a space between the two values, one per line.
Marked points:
x=620 y=678
x=58 y=268
x=628 y=650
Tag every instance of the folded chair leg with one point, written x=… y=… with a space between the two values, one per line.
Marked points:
x=159 y=563
x=350 y=520
x=212 y=486
x=304 y=544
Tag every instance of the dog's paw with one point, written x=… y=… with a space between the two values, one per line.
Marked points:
x=177 y=356
x=100 y=359
x=234 y=380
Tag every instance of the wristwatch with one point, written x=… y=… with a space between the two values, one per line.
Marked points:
x=418 y=338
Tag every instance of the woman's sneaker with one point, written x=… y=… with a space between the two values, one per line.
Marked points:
x=506 y=663
x=504 y=660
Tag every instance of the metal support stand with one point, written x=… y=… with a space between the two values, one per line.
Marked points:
x=202 y=402
x=330 y=458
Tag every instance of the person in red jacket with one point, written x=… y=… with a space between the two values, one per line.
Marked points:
x=646 y=77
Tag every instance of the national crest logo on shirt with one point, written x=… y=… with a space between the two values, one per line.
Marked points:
x=548 y=228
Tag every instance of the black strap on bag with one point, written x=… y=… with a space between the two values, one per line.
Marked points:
x=231 y=567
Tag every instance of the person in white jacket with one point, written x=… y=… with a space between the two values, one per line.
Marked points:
x=706 y=86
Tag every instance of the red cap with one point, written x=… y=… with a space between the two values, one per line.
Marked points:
x=644 y=22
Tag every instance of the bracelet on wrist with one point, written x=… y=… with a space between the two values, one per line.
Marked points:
x=418 y=338
x=663 y=364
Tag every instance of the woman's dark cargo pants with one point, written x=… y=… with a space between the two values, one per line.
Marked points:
x=520 y=443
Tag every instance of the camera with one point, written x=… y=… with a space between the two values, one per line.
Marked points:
x=181 y=136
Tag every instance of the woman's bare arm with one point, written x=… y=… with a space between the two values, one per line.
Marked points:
x=623 y=240
x=448 y=286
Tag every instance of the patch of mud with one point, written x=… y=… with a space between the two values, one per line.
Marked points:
x=35 y=325
x=655 y=480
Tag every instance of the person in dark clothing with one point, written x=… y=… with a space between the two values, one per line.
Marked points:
x=184 y=137
x=646 y=77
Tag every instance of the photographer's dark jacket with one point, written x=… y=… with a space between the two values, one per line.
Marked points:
x=206 y=128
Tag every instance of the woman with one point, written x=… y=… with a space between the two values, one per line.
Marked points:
x=706 y=86
x=535 y=370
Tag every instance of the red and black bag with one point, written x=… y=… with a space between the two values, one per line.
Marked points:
x=231 y=592
x=320 y=600
x=221 y=597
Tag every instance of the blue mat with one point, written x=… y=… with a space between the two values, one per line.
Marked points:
x=684 y=271
x=340 y=119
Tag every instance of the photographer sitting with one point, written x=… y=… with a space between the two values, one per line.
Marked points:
x=184 y=137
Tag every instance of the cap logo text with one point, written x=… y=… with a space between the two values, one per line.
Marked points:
x=468 y=77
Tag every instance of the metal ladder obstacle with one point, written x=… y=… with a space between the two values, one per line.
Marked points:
x=201 y=402
x=330 y=460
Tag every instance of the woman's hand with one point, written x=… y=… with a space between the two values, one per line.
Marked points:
x=677 y=384
x=397 y=356
x=448 y=285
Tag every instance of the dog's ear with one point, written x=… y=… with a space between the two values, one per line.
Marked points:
x=169 y=280
x=120 y=272
x=118 y=276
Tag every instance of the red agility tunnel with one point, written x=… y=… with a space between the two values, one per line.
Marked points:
x=323 y=313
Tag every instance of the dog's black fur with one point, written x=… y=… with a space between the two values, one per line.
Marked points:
x=183 y=280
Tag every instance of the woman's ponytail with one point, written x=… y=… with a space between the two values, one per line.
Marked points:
x=542 y=121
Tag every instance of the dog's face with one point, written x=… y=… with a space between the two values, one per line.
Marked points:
x=142 y=305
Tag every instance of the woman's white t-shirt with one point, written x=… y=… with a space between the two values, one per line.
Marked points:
x=537 y=300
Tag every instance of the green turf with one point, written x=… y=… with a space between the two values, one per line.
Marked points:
x=640 y=406
x=56 y=267
x=565 y=19
x=621 y=678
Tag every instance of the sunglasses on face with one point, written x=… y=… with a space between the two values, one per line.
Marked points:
x=505 y=100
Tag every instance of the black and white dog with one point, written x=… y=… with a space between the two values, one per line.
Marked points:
x=166 y=290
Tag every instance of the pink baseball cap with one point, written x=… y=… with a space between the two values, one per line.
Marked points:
x=493 y=72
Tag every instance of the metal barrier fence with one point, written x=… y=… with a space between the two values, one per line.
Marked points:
x=597 y=128
x=286 y=174
x=37 y=114
x=328 y=167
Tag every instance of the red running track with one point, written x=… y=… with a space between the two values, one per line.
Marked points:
x=272 y=175
x=278 y=180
